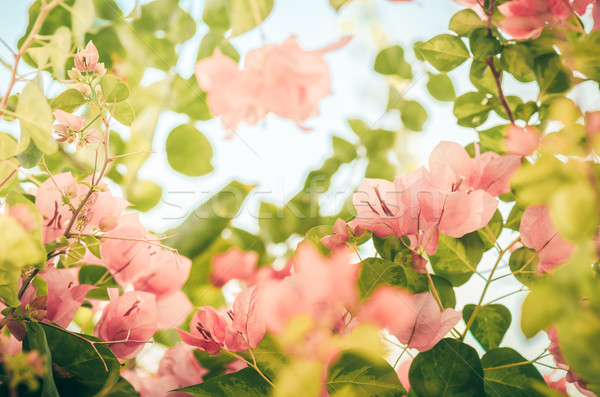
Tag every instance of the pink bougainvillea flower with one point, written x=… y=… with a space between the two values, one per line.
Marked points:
x=538 y=233
x=521 y=141
x=452 y=169
x=592 y=124
x=455 y=198
x=320 y=288
x=339 y=238
x=208 y=330
x=67 y=121
x=283 y=79
x=415 y=320
x=525 y=19
x=248 y=316
x=86 y=59
x=233 y=264
x=50 y=201
x=131 y=316
x=65 y=296
x=165 y=274
x=172 y=309
x=128 y=259
x=23 y=215
x=180 y=364
x=560 y=385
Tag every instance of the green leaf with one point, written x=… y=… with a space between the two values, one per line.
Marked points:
x=445 y=291
x=413 y=115
x=216 y=365
x=314 y=236
x=82 y=19
x=492 y=139
x=472 y=109
x=188 y=98
x=60 y=49
x=18 y=249
x=490 y=232
x=68 y=100
x=390 y=61
x=78 y=358
x=441 y=88
x=206 y=223
x=92 y=274
x=36 y=119
x=390 y=246
x=484 y=46
x=246 y=14
x=375 y=272
x=516 y=59
x=551 y=74
x=215 y=14
x=513 y=221
x=269 y=356
x=490 y=324
x=523 y=264
x=8 y=148
x=144 y=194
x=444 y=52
x=188 y=151
x=456 y=259
x=36 y=340
x=121 y=389
x=124 y=113
x=337 y=4
x=526 y=110
x=574 y=212
x=246 y=383
x=40 y=285
x=359 y=371
x=113 y=89
x=450 y=369
x=31 y=155
x=465 y=21
x=482 y=77
x=515 y=380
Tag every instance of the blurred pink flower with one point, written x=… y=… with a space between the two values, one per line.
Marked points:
x=131 y=316
x=233 y=264
x=86 y=59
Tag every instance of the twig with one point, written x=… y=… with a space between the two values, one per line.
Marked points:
x=497 y=76
x=45 y=9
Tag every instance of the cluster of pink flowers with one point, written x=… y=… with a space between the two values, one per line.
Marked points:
x=456 y=196
x=151 y=275
x=324 y=290
x=283 y=79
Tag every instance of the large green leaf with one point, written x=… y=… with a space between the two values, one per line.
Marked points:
x=465 y=21
x=188 y=151
x=490 y=324
x=375 y=272
x=8 y=148
x=269 y=356
x=523 y=265
x=113 y=89
x=68 y=100
x=490 y=232
x=413 y=115
x=450 y=369
x=215 y=14
x=36 y=340
x=441 y=88
x=244 y=383
x=472 y=109
x=456 y=259
x=551 y=74
x=507 y=380
x=79 y=359
x=18 y=249
x=36 y=119
x=359 y=371
x=390 y=61
x=206 y=223
x=247 y=14
x=444 y=52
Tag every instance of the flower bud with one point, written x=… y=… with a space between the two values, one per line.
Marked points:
x=86 y=59
x=74 y=74
x=100 y=70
